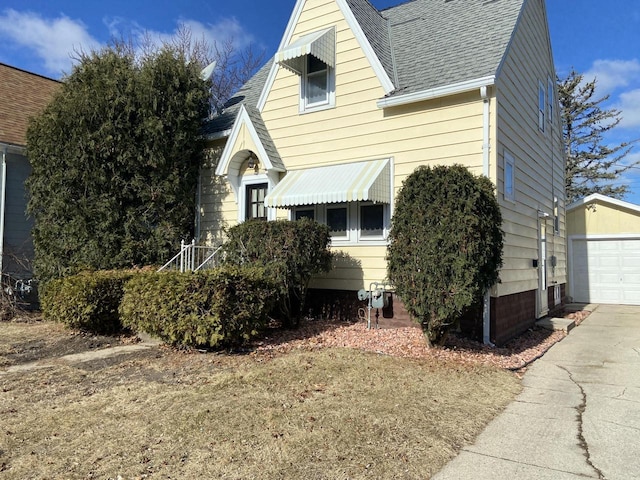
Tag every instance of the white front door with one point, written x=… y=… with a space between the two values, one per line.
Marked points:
x=543 y=299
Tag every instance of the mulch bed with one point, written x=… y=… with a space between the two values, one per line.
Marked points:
x=409 y=342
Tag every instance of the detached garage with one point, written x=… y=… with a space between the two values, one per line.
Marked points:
x=603 y=237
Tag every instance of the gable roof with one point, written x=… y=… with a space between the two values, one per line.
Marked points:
x=445 y=42
x=423 y=46
x=598 y=197
x=24 y=94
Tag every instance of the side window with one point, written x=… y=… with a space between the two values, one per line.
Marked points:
x=509 y=177
x=542 y=106
x=556 y=216
x=255 y=207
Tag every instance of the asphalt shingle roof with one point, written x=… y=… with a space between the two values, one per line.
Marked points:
x=249 y=95
x=422 y=44
x=443 y=42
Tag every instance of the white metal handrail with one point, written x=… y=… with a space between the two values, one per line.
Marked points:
x=192 y=257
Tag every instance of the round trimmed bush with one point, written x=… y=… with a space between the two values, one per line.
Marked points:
x=445 y=245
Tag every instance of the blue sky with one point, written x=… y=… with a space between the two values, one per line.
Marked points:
x=601 y=39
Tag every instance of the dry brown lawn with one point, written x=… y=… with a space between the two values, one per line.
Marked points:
x=330 y=413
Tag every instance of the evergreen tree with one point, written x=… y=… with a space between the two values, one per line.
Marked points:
x=445 y=245
x=592 y=165
x=115 y=159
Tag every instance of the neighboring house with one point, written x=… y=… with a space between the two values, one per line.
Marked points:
x=604 y=250
x=355 y=99
x=22 y=95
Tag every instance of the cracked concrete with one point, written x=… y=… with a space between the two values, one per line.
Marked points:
x=582 y=442
x=578 y=415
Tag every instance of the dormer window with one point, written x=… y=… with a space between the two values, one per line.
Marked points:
x=312 y=58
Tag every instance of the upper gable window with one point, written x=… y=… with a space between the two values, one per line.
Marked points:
x=312 y=58
x=315 y=85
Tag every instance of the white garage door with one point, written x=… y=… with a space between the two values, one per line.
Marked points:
x=606 y=271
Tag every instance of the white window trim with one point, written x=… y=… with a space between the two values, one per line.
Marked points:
x=242 y=190
x=510 y=161
x=385 y=224
x=331 y=94
x=542 y=106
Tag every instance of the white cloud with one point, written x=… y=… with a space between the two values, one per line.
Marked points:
x=629 y=105
x=52 y=40
x=613 y=74
x=219 y=32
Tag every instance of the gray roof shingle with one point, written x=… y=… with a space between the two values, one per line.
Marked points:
x=439 y=42
x=249 y=94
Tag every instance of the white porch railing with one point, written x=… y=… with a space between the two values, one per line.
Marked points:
x=192 y=257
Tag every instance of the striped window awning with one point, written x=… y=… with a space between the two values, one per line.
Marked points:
x=321 y=45
x=349 y=182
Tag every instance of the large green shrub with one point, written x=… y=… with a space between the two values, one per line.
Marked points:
x=87 y=301
x=115 y=160
x=445 y=245
x=217 y=308
x=292 y=251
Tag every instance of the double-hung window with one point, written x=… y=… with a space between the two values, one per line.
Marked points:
x=315 y=87
x=313 y=58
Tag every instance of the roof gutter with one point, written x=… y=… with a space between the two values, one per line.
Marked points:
x=438 y=92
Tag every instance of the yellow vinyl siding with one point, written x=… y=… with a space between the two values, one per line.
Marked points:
x=218 y=208
x=355 y=267
x=597 y=218
x=537 y=176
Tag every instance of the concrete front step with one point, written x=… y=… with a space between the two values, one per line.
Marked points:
x=555 y=323
x=578 y=307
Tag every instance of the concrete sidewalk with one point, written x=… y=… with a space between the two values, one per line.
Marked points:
x=578 y=416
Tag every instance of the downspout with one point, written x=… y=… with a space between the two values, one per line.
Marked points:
x=3 y=189
x=486 y=151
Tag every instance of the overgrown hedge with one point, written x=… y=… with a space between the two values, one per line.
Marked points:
x=292 y=251
x=217 y=308
x=86 y=301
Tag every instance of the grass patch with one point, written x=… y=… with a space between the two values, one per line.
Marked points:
x=331 y=413
x=27 y=342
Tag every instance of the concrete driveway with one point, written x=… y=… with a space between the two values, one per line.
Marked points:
x=578 y=416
